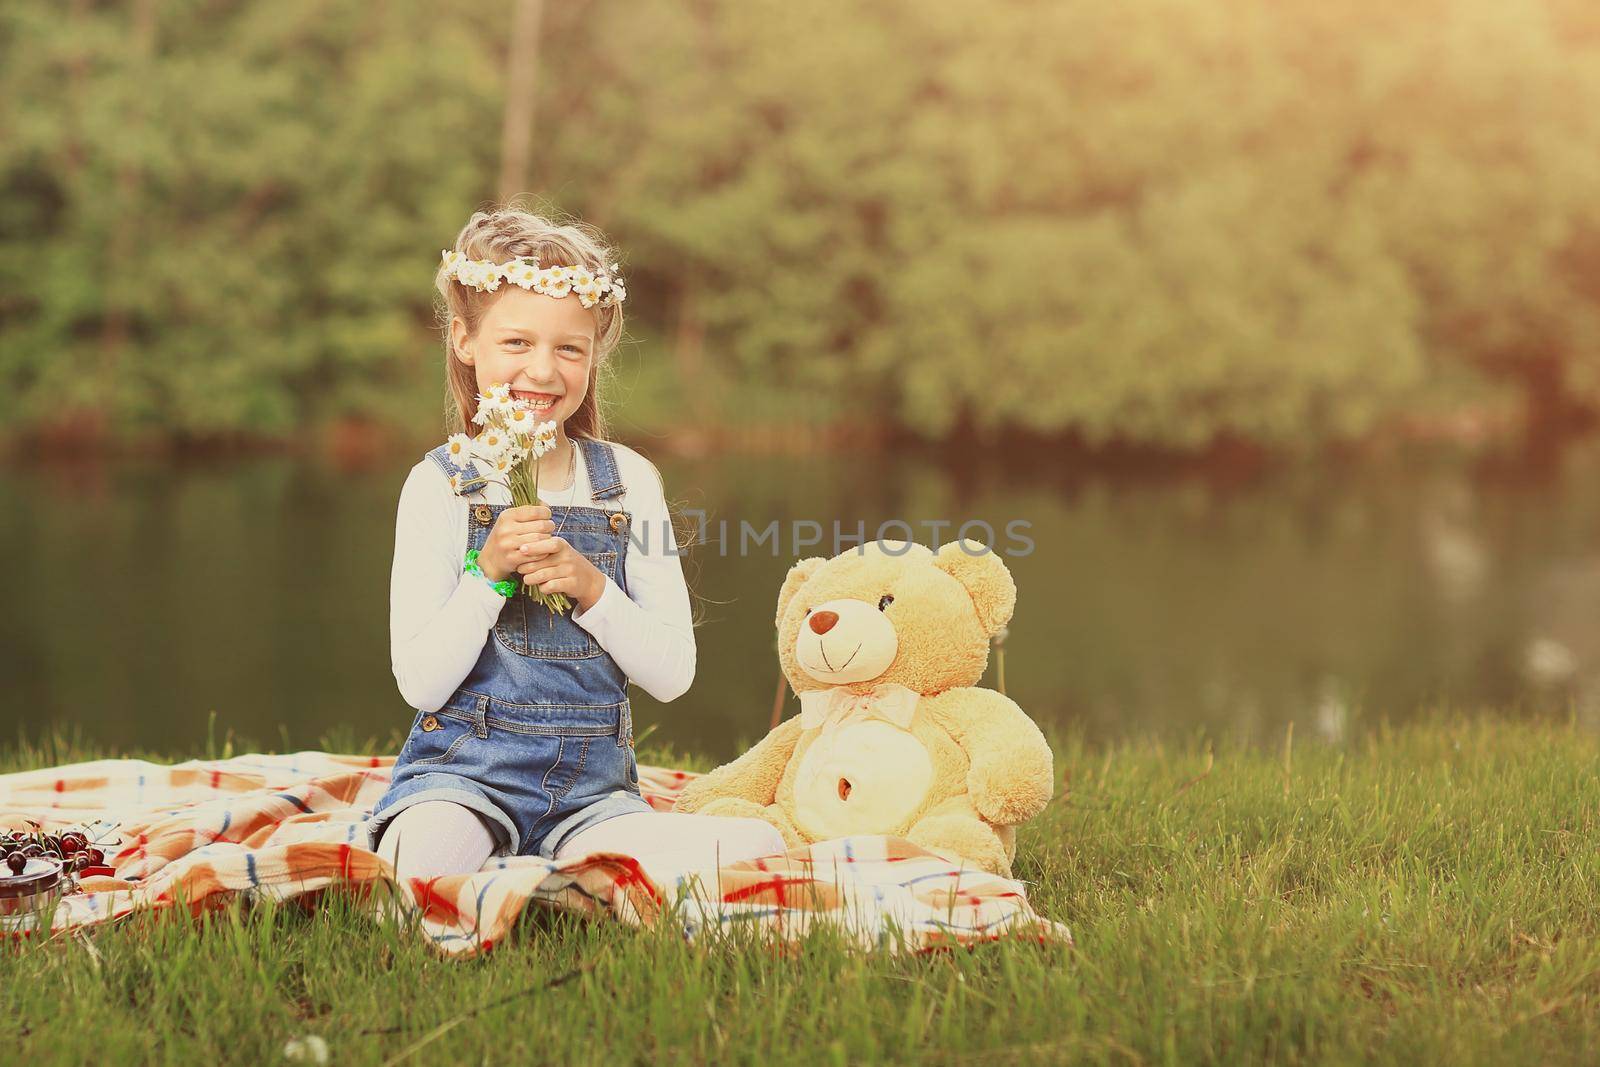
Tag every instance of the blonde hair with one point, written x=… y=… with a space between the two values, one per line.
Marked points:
x=504 y=233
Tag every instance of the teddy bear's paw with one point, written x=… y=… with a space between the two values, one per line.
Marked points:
x=1012 y=777
x=962 y=839
x=1015 y=800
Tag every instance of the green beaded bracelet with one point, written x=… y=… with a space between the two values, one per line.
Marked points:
x=506 y=587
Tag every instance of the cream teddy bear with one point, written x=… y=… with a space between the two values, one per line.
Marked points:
x=883 y=645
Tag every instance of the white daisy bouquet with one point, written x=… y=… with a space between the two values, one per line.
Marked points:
x=510 y=444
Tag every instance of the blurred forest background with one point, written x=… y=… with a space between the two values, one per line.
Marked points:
x=1278 y=323
x=1167 y=223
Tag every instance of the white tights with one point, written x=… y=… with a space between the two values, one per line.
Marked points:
x=439 y=837
x=436 y=837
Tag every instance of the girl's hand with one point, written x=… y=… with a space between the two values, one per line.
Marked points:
x=514 y=528
x=554 y=566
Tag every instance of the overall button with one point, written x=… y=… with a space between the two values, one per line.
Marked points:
x=481 y=513
x=617 y=520
x=430 y=723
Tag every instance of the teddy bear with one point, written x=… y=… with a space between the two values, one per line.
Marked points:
x=884 y=645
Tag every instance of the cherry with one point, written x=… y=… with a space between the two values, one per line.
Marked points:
x=16 y=861
x=96 y=857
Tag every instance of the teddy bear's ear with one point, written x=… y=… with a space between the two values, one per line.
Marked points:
x=985 y=578
x=793 y=581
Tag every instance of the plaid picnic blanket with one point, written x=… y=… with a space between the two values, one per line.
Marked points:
x=290 y=826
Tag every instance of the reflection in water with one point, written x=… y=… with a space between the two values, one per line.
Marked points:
x=1332 y=713
x=143 y=596
x=1452 y=546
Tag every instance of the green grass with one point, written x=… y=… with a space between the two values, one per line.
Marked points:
x=1420 y=895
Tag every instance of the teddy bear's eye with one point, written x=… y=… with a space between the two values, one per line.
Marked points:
x=884 y=601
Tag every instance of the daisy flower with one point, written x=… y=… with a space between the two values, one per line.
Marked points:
x=497 y=401
x=554 y=281
x=585 y=284
x=544 y=438
x=519 y=420
x=523 y=274
x=491 y=445
x=458 y=449
x=481 y=276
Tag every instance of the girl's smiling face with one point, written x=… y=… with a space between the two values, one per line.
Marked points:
x=542 y=346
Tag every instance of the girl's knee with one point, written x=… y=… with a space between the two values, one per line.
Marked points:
x=436 y=837
x=388 y=837
x=757 y=837
x=402 y=833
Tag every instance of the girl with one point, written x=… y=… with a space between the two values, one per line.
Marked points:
x=523 y=739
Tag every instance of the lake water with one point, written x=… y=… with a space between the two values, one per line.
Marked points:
x=140 y=597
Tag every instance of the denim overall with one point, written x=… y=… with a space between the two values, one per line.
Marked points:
x=539 y=737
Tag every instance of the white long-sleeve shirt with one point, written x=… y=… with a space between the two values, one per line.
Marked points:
x=439 y=617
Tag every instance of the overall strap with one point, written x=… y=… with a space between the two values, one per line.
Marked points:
x=601 y=461
x=463 y=480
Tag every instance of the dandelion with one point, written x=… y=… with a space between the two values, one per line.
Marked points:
x=307 y=1049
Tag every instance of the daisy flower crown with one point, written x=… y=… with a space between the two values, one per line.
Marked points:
x=590 y=287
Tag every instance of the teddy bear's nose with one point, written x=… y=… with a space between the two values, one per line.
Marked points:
x=823 y=621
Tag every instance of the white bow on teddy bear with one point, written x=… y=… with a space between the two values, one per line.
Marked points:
x=824 y=709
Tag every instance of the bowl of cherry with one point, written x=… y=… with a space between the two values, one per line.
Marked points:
x=35 y=865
